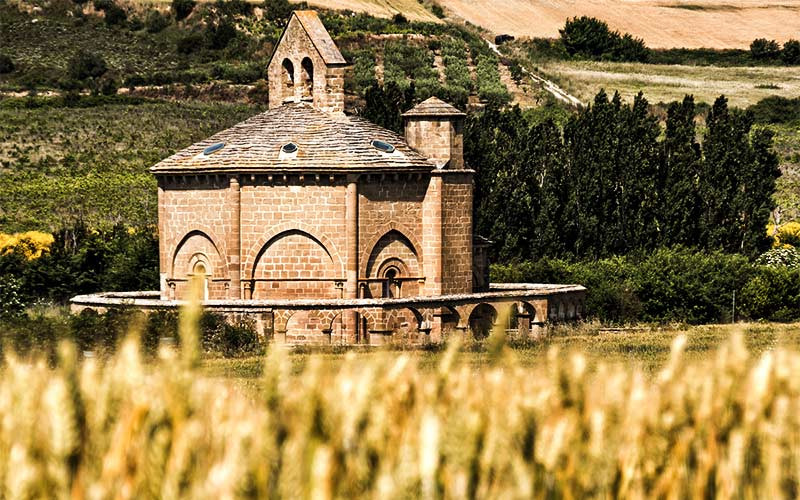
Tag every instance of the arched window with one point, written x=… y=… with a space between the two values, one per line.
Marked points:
x=307 y=78
x=391 y=285
x=200 y=272
x=287 y=79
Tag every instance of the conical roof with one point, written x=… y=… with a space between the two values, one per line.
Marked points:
x=433 y=106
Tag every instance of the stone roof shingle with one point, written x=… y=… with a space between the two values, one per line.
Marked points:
x=433 y=106
x=320 y=37
x=326 y=142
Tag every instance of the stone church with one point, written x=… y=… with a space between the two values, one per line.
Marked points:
x=328 y=228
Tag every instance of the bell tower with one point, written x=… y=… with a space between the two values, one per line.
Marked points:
x=307 y=66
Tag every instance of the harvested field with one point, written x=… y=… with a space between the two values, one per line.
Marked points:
x=742 y=85
x=662 y=23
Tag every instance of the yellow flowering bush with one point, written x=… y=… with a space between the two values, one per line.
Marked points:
x=786 y=235
x=31 y=244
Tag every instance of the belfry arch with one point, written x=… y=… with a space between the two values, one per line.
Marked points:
x=287 y=79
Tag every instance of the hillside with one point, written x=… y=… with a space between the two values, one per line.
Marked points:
x=661 y=23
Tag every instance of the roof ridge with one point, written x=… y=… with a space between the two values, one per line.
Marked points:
x=433 y=106
x=319 y=35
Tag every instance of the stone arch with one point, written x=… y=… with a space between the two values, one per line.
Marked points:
x=250 y=260
x=197 y=245
x=307 y=326
x=382 y=232
x=306 y=78
x=482 y=319
x=313 y=255
x=287 y=79
x=395 y=249
x=530 y=310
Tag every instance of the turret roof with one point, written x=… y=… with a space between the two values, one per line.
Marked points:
x=433 y=106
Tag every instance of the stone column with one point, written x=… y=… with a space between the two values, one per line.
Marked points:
x=432 y=236
x=351 y=267
x=234 y=242
x=162 y=241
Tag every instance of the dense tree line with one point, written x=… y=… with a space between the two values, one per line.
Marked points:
x=83 y=260
x=611 y=181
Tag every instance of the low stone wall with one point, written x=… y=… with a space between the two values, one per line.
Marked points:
x=525 y=308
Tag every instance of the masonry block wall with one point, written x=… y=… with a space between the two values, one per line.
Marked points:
x=440 y=139
x=457 y=232
x=298 y=71
x=293 y=239
x=195 y=221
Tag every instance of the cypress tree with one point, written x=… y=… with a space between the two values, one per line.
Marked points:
x=680 y=204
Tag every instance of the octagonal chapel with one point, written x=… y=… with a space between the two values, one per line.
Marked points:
x=305 y=202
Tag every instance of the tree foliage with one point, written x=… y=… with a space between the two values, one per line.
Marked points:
x=761 y=48
x=182 y=8
x=81 y=260
x=591 y=38
x=610 y=184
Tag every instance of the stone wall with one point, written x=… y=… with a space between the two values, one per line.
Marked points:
x=457 y=233
x=293 y=238
x=298 y=72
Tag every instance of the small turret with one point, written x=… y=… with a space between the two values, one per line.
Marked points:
x=436 y=130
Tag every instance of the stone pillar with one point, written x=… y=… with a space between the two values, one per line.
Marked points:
x=350 y=322
x=162 y=241
x=234 y=242
x=432 y=236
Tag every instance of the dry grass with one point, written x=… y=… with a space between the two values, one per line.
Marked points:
x=388 y=425
x=662 y=23
x=742 y=85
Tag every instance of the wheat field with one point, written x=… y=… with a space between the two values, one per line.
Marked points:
x=383 y=427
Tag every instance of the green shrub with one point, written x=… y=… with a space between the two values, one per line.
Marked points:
x=228 y=338
x=456 y=71
x=135 y=24
x=437 y=10
x=791 y=52
x=6 y=64
x=233 y=8
x=776 y=109
x=668 y=285
x=490 y=89
x=781 y=257
x=219 y=35
x=591 y=38
x=12 y=303
x=85 y=64
x=114 y=14
x=182 y=8
x=763 y=49
x=156 y=22
x=399 y=18
x=773 y=294
x=277 y=11
x=190 y=43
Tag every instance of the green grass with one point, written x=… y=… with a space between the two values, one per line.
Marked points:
x=647 y=349
x=787 y=193
x=65 y=164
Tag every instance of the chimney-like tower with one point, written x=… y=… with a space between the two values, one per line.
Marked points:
x=436 y=130
x=307 y=66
